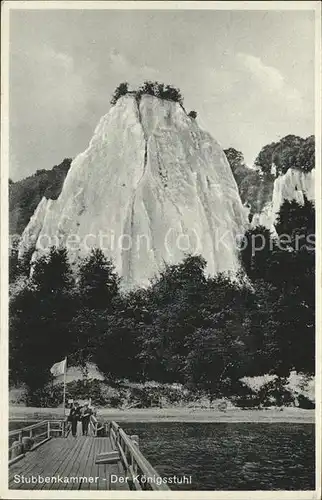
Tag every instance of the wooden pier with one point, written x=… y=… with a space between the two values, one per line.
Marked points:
x=45 y=456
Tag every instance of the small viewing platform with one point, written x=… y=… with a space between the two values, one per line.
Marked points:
x=45 y=456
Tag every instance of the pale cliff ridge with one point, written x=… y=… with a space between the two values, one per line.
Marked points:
x=293 y=185
x=34 y=227
x=264 y=187
x=149 y=179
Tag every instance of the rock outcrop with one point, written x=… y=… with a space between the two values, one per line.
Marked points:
x=293 y=185
x=151 y=187
x=263 y=190
x=34 y=227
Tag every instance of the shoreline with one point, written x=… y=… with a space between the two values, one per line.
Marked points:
x=197 y=415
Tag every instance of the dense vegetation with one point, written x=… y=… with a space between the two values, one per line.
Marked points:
x=290 y=152
x=155 y=89
x=188 y=328
x=25 y=195
x=255 y=189
x=256 y=186
x=189 y=331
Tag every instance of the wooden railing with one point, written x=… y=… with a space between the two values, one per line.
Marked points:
x=58 y=428
x=135 y=464
x=30 y=437
x=95 y=426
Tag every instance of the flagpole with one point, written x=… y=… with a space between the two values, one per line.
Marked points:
x=64 y=393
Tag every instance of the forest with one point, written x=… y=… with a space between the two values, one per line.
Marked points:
x=199 y=331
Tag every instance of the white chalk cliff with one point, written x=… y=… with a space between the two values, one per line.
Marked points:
x=150 y=187
x=34 y=227
x=293 y=185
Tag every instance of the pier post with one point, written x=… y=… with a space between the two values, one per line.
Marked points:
x=135 y=439
x=16 y=449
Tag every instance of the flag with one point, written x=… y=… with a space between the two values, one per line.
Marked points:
x=58 y=368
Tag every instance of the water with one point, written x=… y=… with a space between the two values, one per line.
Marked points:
x=231 y=456
x=18 y=424
x=228 y=456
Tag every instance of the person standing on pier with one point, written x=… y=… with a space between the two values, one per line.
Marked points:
x=74 y=417
x=85 y=416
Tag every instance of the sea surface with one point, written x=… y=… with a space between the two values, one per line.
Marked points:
x=228 y=456
x=231 y=456
x=18 y=424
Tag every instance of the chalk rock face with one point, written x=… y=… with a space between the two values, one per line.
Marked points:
x=34 y=227
x=294 y=185
x=151 y=187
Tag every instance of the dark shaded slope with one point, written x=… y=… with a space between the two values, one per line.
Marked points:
x=24 y=195
x=255 y=187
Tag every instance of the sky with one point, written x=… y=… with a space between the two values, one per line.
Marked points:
x=248 y=74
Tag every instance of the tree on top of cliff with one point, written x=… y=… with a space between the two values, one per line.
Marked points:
x=156 y=89
x=121 y=89
x=173 y=94
x=148 y=87
x=160 y=90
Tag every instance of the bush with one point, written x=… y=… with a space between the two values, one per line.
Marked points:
x=49 y=396
x=247 y=401
x=121 y=90
x=193 y=114
x=52 y=396
x=245 y=397
x=18 y=395
x=305 y=403
x=274 y=393
x=84 y=389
